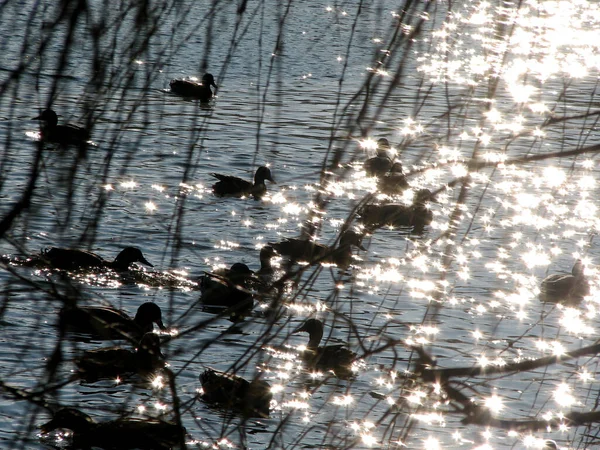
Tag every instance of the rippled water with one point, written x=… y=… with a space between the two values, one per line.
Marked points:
x=470 y=96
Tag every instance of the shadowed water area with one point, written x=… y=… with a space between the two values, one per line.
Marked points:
x=458 y=289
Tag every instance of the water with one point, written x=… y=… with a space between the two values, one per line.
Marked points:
x=480 y=80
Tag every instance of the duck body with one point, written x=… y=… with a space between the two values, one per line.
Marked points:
x=377 y=166
x=565 y=288
x=110 y=323
x=228 y=289
x=115 y=361
x=336 y=358
x=60 y=134
x=394 y=182
x=312 y=252
x=416 y=215
x=251 y=398
x=73 y=259
x=120 y=434
x=193 y=89
x=237 y=187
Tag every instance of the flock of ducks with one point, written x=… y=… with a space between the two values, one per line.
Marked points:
x=233 y=289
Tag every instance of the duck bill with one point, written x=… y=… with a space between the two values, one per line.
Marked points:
x=145 y=261
x=161 y=325
x=271 y=180
x=362 y=247
x=300 y=329
x=48 y=427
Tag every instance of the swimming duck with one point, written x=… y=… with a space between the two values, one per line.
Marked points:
x=113 y=362
x=236 y=187
x=416 y=215
x=110 y=323
x=381 y=164
x=307 y=250
x=251 y=398
x=394 y=182
x=228 y=289
x=336 y=358
x=71 y=259
x=567 y=288
x=61 y=134
x=189 y=88
x=120 y=434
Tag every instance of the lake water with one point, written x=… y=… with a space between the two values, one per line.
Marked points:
x=471 y=95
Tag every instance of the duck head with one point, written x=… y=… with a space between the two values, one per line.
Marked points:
x=263 y=173
x=383 y=145
x=130 y=255
x=150 y=345
x=350 y=237
x=209 y=80
x=147 y=314
x=49 y=117
x=314 y=328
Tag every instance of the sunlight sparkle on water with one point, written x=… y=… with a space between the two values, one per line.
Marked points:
x=562 y=395
x=494 y=403
x=432 y=443
x=128 y=184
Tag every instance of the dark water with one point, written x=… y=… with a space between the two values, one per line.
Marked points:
x=296 y=108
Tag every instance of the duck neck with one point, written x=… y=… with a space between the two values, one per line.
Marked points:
x=315 y=339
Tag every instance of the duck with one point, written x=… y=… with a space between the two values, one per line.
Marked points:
x=113 y=362
x=312 y=252
x=189 y=88
x=228 y=289
x=236 y=187
x=416 y=215
x=336 y=358
x=380 y=164
x=73 y=259
x=109 y=323
x=565 y=288
x=60 y=134
x=119 y=434
x=266 y=271
x=394 y=182
x=251 y=398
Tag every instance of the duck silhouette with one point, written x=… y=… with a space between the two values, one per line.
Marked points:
x=336 y=358
x=380 y=164
x=193 y=89
x=416 y=215
x=73 y=259
x=250 y=398
x=60 y=134
x=394 y=182
x=228 y=289
x=312 y=252
x=237 y=187
x=120 y=434
x=109 y=323
x=113 y=362
x=565 y=288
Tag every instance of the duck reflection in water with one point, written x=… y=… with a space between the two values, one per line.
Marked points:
x=335 y=358
x=121 y=434
x=110 y=323
x=569 y=289
x=114 y=362
x=250 y=398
